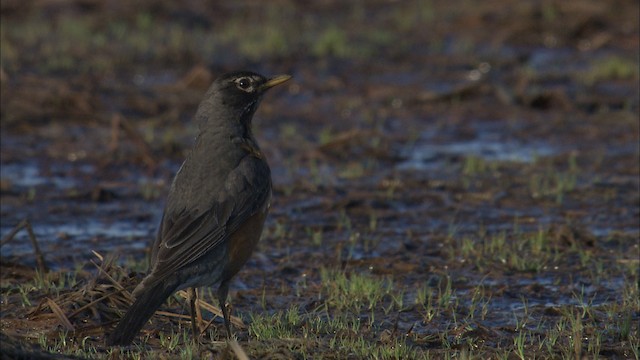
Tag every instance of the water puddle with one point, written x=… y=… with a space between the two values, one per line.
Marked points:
x=68 y=227
x=78 y=238
x=30 y=174
x=430 y=151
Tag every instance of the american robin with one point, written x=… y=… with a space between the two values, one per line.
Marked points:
x=216 y=207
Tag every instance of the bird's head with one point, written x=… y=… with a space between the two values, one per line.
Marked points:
x=242 y=90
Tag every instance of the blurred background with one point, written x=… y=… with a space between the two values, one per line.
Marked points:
x=413 y=134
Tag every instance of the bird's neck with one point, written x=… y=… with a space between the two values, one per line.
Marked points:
x=229 y=128
x=230 y=137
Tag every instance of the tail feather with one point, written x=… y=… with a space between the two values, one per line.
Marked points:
x=139 y=313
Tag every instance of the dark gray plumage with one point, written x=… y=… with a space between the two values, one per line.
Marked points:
x=216 y=206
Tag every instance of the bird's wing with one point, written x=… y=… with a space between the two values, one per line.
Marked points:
x=187 y=235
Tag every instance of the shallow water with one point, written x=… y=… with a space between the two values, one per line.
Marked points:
x=430 y=151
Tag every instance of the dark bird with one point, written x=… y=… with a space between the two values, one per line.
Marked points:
x=216 y=207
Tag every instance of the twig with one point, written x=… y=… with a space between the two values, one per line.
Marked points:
x=173 y=315
x=60 y=314
x=237 y=349
x=91 y=304
x=42 y=266
x=124 y=291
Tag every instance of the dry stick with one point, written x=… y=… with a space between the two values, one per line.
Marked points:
x=91 y=304
x=106 y=296
x=60 y=314
x=39 y=256
x=127 y=294
x=37 y=309
x=124 y=291
x=42 y=267
x=173 y=315
x=109 y=277
x=12 y=233
x=98 y=255
x=237 y=349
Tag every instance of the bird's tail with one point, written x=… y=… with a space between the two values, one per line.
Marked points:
x=139 y=313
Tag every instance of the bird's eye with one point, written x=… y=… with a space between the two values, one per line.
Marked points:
x=244 y=84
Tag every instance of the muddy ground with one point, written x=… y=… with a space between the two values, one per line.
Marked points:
x=483 y=156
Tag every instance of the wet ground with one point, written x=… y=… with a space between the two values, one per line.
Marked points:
x=483 y=156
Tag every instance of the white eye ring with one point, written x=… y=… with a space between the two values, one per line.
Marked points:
x=244 y=84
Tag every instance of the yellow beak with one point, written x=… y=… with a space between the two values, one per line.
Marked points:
x=276 y=80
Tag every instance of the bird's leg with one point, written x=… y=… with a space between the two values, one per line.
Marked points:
x=199 y=320
x=192 y=301
x=223 y=292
